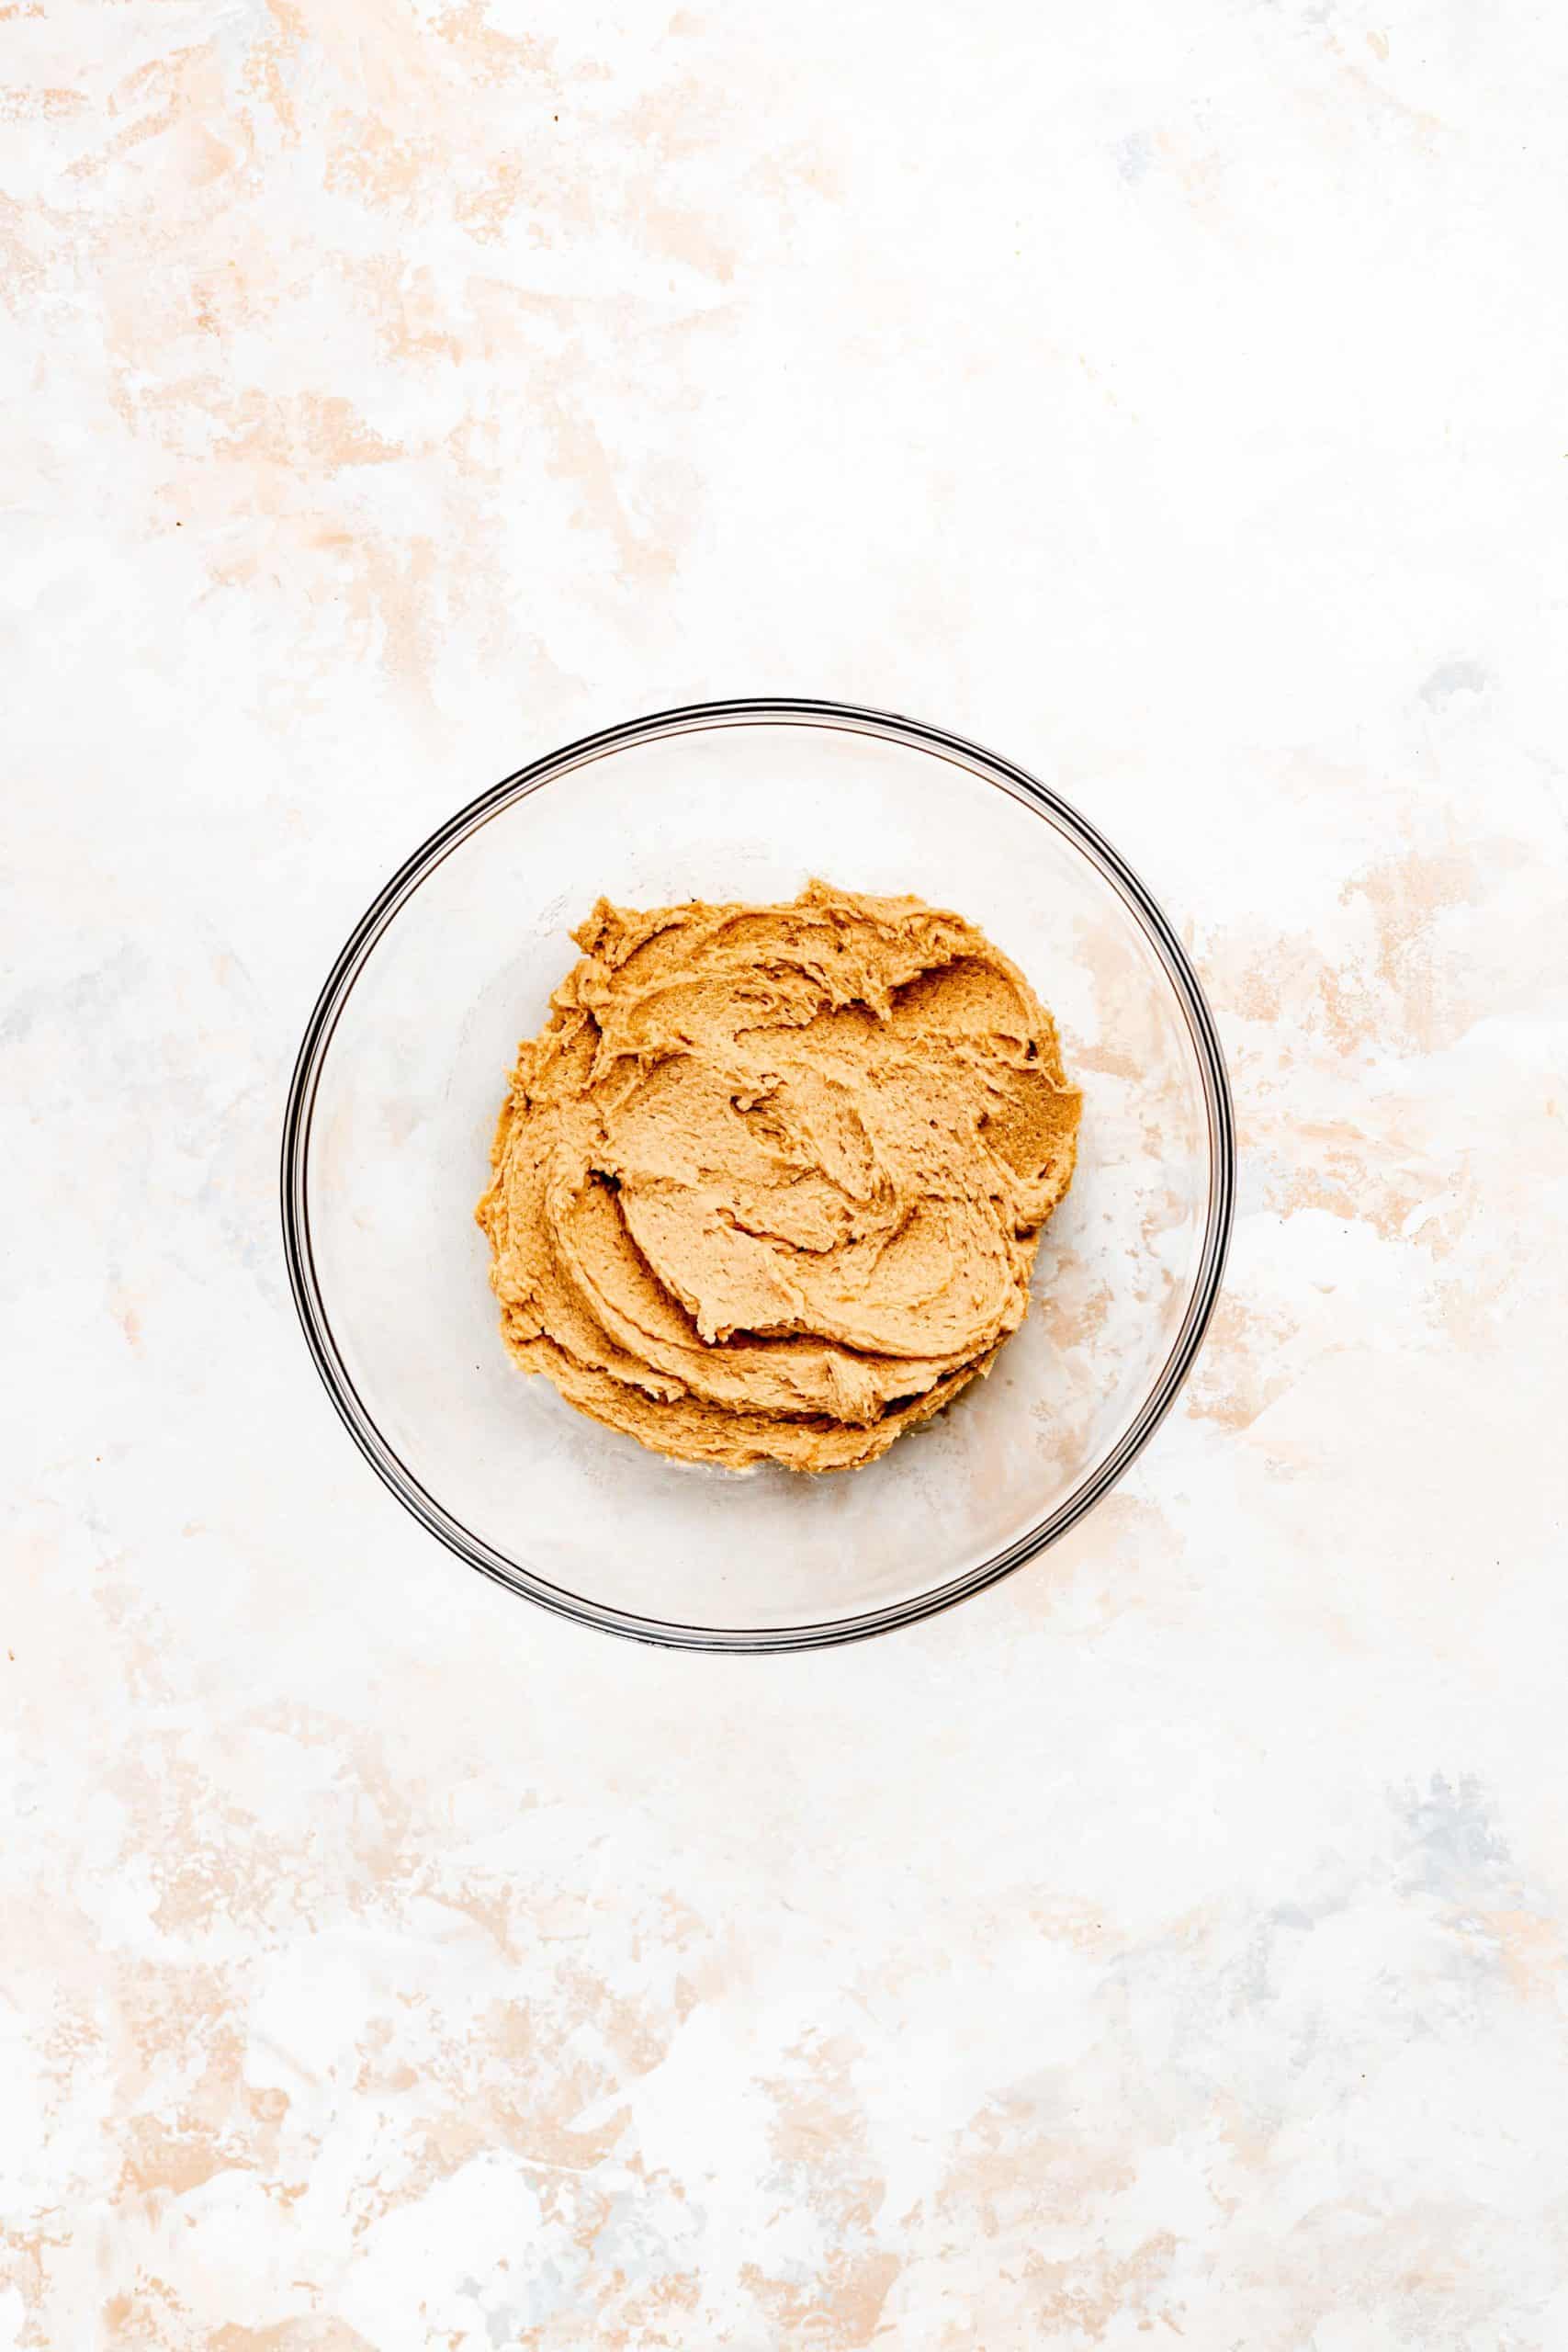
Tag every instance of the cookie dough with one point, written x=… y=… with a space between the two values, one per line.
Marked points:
x=768 y=1184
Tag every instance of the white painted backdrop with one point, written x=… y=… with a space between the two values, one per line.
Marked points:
x=1172 y=1941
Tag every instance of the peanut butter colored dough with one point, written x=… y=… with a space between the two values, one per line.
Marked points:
x=769 y=1183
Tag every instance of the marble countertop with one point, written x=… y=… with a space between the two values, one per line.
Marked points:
x=1173 y=1940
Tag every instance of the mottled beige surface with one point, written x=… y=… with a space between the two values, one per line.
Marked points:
x=1172 y=1942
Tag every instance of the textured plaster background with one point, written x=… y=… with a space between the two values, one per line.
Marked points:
x=1173 y=1942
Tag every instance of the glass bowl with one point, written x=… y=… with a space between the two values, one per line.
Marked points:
x=401 y=1073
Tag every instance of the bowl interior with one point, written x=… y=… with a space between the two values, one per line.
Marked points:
x=399 y=1104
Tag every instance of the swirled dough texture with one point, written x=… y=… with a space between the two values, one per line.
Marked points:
x=769 y=1183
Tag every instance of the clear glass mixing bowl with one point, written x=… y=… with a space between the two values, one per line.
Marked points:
x=394 y=1101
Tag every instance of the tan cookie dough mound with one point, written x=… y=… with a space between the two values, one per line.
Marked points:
x=768 y=1184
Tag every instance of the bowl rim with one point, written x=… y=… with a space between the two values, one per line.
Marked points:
x=310 y=1305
